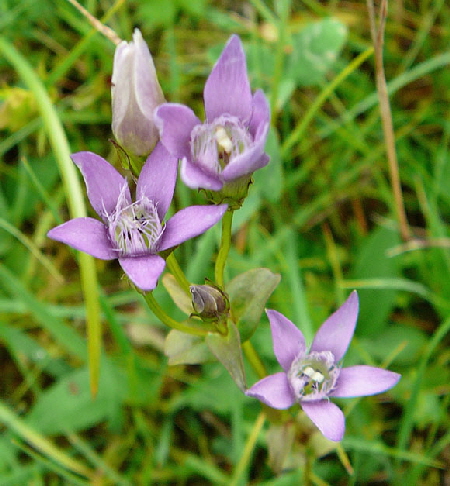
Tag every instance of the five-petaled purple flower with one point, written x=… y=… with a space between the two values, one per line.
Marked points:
x=134 y=232
x=230 y=144
x=310 y=378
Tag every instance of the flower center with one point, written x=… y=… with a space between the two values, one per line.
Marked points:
x=135 y=227
x=215 y=145
x=313 y=377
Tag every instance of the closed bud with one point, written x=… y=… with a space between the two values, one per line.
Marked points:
x=135 y=95
x=208 y=302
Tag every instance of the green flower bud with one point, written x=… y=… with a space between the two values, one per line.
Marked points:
x=209 y=302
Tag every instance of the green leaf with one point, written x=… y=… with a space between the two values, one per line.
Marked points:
x=269 y=180
x=260 y=62
x=21 y=346
x=227 y=349
x=372 y=262
x=68 y=406
x=182 y=348
x=216 y=391
x=393 y=338
x=248 y=294
x=64 y=334
x=196 y=9
x=144 y=381
x=154 y=13
x=315 y=50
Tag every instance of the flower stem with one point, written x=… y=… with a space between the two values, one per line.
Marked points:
x=177 y=272
x=377 y=32
x=167 y=320
x=254 y=359
x=225 y=244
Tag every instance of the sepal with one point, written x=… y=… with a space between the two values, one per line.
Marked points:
x=182 y=348
x=227 y=349
x=180 y=297
x=249 y=293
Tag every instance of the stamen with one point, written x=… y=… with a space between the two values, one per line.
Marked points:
x=308 y=371
x=136 y=227
x=223 y=140
x=215 y=145
x=317 y=376
x=313 y=376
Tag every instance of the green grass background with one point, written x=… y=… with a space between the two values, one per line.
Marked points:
x=321 y=214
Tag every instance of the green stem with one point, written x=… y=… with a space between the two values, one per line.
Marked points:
x=249 y=447
x=254 y=359
x=177 y=272
x=377 y=32
x=10 y=419
x=280 y=55
x=75 y=199
x=64 y=66
x=168 y=321
x=408 y=413
x=297 y=133
x=225 y=244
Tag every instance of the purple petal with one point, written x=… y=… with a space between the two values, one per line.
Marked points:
x=104 y=184
x=361 y=381
x=175 y=123
x=143 y=271
x=337 y=331
x=157 y=179
x=120 y=81
x=260 y=113
x=273 y=390
x=246 y=163
x=288 y=340
x=149 y=94
x=253 y=158
x=189 y=222
x=194 y=177
x=85 y=234
x=227 y=89
x=327 y=417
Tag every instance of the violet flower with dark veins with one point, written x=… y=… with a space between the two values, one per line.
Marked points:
x=312 y=377
x=229 y=146
x=134 y=232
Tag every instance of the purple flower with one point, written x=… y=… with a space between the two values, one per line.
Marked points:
x=134 y=232
x=135 y=95
x=310 y=378
x=230 y=144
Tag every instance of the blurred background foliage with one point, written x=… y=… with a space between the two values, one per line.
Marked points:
x=321 y=214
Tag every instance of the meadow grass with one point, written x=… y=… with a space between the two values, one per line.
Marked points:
x=322 y=214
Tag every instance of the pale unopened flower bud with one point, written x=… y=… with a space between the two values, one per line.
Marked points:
x=135 y=95
x=208 y=302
